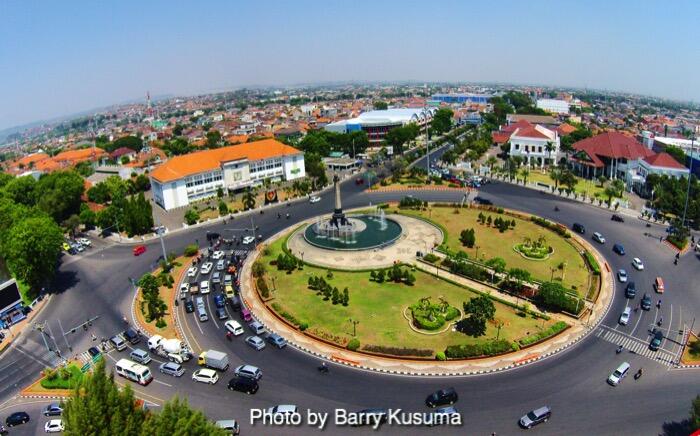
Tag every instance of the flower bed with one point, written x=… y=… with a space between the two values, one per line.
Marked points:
x=533 y=252
x=544 y=334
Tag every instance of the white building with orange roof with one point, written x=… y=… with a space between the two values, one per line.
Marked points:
x=184 y=179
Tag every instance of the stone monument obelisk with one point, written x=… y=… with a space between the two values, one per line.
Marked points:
x=338 y=220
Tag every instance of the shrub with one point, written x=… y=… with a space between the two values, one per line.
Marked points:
x=191 y=250
x=50 y=374
x=440 y=355
x=354 y=344
x=430 y=257
x=259 y=269
x=161 y=323
x=551 y=226
x=303 y=326
x=452 y=313
x=593 y=263
x=191 y=217
x=262 y=287
x=427 y=324
x=536 y=337
x=554 y=296
x=398 y=351
x=489 y=348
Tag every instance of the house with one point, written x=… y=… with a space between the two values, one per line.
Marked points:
x=537 y=145
x=662 y=164
x=121 y=152
x=608 y=154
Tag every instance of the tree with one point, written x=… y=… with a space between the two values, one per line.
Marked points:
x=677 y=153
x=141 y=183
x=518 y=276
x=59 y=194
x=71 y=224
x=555 y=175
x=468 y=238
x=31 y=250
x=223 y=208
x=549 y=146
x=191 y=216
x=150 y=290
x=614 y=190
x=442 y=120
x=249 y=199
x=380 y=276
x=491 y=161
x=213 y=139
x=219 y=192
x=380 y=105
x=497 y=264
x=315 y=169
x=695 y=414
x=480 y=306
x=21 y=190
x=449 y=157
x=335 y=299
x=346 y=297
x=99 y=193
x=178 y=418
x=568 y=179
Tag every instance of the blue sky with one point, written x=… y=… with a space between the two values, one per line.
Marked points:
x=58 y=58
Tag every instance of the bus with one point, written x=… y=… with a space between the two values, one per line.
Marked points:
x=134 y=372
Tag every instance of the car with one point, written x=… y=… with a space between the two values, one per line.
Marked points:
x=77 y=247
x=172 y=368
x=276 y=340
x=282 y=409
x=372 y=416
x=228 y=280
x=139 y=250
x=17 y=418
x=622 y=275
x=314 y=199
x=617 y=218
x=535 y=417
x=53 y=409
x=256 y=327
x=646 y=302
x=442 y=397
x=205 y=375
x=637 y=264
x=656 y=339
x=221 y=313
x=189 y=306
x=619 y=249
x=659 y=285
x=206 y=268
x=255 y=342
x=249 y=371
x=483 y=201
x=204 y=287
x=192 y=271
x=442 y=415
x=230 y=426
x=118 y=342
x=218 y=254
x=234 y=327
x=85 y=242
x=184 y=289
x=54 y=426
x=579 y=228
x=625 y=316
x=619 y=374
x=630 y=290
x=216 y=277
x=65 y=246
x=248 y=239
x=94 y=352
x=220 y=265
x=219 y=300
x=598 y=238
x=132 y=336
x=243 y=384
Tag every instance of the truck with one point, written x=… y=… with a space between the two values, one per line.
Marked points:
x=213 y=359
x=194 y=288
x=172 y=349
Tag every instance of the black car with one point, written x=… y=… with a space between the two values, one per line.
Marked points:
x=94 y=351
x=372 y=416
x=442 y=397
x=619 y=249
x=646 y=302
x=53 y=409
x=189 y=306
x=656 y=340
x=243 y=384
x=132 y=336
x=630 y=290
x=482 y=200
x=579 y=228
x=17 y=418
x=235 y=303
x=617 y=218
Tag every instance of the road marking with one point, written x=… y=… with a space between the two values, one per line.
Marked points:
x=44 y=363
x=211 y=314
x=186 y=325
x=670 y=325
x=163 y=383
x=637 y=346
x=639 y=318
x=24 y=403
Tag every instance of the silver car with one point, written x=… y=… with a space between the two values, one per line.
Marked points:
x=255 y=342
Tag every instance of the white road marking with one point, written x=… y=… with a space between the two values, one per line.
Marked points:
x=163 y=383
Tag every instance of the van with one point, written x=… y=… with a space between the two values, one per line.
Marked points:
x=118 y=342
x=245 y=313
x=202 y=314
x=230 y=426
x=140 y=356
x=620 y=373
x=132 y=336
x=134 y=371
x=659 y=285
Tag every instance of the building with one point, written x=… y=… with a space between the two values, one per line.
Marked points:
x=461 y=98
x=184 y=179
x=377 y=123
x=536 y=144
x=659 y=143
x=553 y=106
x=610 y=154
x=11 y=306
x=542 y=120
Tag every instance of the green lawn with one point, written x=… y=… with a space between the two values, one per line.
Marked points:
x=59 y=383
x=491 y=243
x=584 y=186
x=379 y=307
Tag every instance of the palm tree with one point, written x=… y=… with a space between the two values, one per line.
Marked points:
x=491 y=161
x=249 y=199
x=525 y=173
x=555 y=175
x=549 y=146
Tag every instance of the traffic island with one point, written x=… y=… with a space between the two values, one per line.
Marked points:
x=55 y=383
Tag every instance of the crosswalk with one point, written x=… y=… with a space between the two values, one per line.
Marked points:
x=85 y=356
x=635 y=345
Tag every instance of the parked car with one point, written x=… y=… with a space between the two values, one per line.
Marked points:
x=622 y=275
x=370 y=416
x=139 y=250
x=255 y=342
x=243 y=384
x=598 y=238
x=646 y=302
x=637 y=264
x=54 y=426
x=282 y=409
x=248 y=371
x=656 y=339
x=619 y=374
x=230 y=426
x=617 y=218
x=630 y=290
x=619 y=249
x=276 y=340
x=189 y=306
x=314 y=199
x=625 y=316
x=53 y=409
x=205 y=375
x=17 y=418
x=442 y=397
x=443 y=411
x=84 y=242
x=172 y=368
x=535 y=417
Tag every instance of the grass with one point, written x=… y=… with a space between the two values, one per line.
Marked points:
x=688 y=357
x=584 y=186
x=25 y=291
x=491 y=244
x=379 y=308
x=211 y=205
x=58 y=383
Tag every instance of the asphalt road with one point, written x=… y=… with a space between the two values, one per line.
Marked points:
x=572 y=383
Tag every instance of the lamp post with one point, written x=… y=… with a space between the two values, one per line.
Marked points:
x=354 y=326
x=690 y=173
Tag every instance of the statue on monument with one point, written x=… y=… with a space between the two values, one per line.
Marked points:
x=338 y=219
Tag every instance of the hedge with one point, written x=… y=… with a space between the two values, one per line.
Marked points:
x=489 y=348
x=556 y=228
x=430 y=257
x=593 y=263
x=536 y=337
x=398 y=351
x=354 y=344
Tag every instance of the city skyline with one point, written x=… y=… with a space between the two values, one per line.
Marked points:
x=52 y=71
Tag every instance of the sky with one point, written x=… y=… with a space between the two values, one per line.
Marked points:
x=59 y=58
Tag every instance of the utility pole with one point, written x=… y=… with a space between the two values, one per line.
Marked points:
x=690 y=173
x=160 y=236
x=63 y=333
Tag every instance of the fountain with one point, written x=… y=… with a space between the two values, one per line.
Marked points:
x=357 y=232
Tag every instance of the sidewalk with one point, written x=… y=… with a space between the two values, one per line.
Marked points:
x=578 y=331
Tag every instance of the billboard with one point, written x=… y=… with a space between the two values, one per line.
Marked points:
x=9 y=295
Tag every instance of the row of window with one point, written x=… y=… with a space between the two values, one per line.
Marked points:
x=202 y=179
x=265 y=165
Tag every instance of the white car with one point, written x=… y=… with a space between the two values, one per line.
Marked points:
x=282 y=409
x=216 y=277
x=184 y=289
x=625 y=316
x=255 y=342
x=217 y=255
x=54 y=426
x=204 y=287
x=248 y=239
x=234 y=327
x=598 y=238
x=84 y=241
x=205 y=375
x=192 y=272
x=220 y=265
x=622 y=275
x=314 y=199
x=206 y=268
x=637 y=263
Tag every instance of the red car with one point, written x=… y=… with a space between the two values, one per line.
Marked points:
x=139 y=250
x=359 y=181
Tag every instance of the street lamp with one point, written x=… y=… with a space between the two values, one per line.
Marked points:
x=690 y=173
x=354 y=326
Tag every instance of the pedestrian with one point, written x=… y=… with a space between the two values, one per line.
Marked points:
x=661 y=239
x=94 y=338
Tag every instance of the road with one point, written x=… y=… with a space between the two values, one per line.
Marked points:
x=572 y=383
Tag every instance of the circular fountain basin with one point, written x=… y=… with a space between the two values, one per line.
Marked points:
x=369 y=232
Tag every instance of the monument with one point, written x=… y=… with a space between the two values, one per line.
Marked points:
x=338 y=220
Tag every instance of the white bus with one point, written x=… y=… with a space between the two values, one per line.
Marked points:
x=134 y=372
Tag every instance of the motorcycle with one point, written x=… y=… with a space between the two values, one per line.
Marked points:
x=323 y=369
x=556 y=209
x=638 y=374
x=619 y=350
x=229 y=336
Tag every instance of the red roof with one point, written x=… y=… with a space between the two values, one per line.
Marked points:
x=613 y=145
x=664 y=160
x=530 y=132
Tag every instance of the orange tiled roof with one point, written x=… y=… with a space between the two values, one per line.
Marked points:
x=237 y=139
x=208 y=160
x=36 y=157
x=75 y=156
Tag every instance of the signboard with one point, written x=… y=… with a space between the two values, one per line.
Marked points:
x=9 y=295
x=271 y=196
